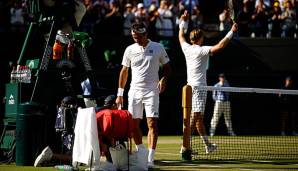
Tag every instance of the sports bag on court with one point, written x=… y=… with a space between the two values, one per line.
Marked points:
x=115 y=124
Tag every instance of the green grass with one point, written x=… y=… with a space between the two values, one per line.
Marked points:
x=249 y=148
x=168 y=158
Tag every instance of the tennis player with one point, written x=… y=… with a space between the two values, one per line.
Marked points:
x=196 y=57
x=144 y=58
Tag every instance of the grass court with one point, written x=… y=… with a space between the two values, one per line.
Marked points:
x=168 y=158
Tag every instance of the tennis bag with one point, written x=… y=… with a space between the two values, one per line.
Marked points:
x=115 y=124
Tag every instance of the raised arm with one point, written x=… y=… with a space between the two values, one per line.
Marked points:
x=224 y=42
x=183 y=26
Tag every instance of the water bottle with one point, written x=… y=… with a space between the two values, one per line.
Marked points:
x=57 y=50
x=20 y=74
x=64 y=167
x=13 y=75
x=29 y=75
x=70 y=50
x=23 y=74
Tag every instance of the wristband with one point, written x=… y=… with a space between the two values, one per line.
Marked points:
x=120 y=92
x=183 y=25
x=229 y=35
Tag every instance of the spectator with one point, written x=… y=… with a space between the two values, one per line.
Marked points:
x=244 y=19
x=260 y=20
x=141 y=13
x=275 y=21
x=164 y=24
x=222 y=106
x=267 y=3
x=289 y=20
x=148 y=3
x=153 y=16
x=197 y=17
x=88 y=4
x=189 y=4
x=17 y=17
x=175 y=9
x=287 y=109
x=100 y=10
x=282 y=4
x=225 y=21
x=113 y=19
x=251 y=5
x=89 y=18
x=129 y=18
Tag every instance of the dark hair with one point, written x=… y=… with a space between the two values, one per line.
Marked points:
x=139 y=27
x=289 y=77
x=68 y=101
x=221 y=75
x=110 y=100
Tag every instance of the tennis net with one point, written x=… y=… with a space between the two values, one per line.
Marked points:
x=248 y=124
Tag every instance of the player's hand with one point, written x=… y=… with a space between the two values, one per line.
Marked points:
x=234 y=27
x=119 y=102
x=162 y=85
x=184 y=16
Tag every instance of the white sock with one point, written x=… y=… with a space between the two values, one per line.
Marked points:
x=151 y=155
x=182 y=149
x=139 y=146
x=205 y=140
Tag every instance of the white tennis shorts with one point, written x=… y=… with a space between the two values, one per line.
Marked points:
x=138 y=100
x=199 y=98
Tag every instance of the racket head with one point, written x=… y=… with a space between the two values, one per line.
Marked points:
x=231 y=10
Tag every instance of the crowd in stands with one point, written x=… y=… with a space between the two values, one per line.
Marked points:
x=256 y=18
x=265 y=18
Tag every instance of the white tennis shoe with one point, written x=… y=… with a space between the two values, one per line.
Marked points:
x=150 y=164
x=45 y=155
x=210 y=148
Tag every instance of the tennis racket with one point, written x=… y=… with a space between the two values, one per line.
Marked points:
x=230 y=5
x=231 y=10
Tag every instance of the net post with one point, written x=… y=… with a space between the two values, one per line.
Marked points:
x=186 y=105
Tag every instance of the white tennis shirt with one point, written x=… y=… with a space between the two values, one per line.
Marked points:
x=144 y=64
x=196 y=61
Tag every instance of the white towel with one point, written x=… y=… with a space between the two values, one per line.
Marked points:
x=86 y=138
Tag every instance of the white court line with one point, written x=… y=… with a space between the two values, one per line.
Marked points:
x=171 y=161
x=208 y=166
x=262 y=161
